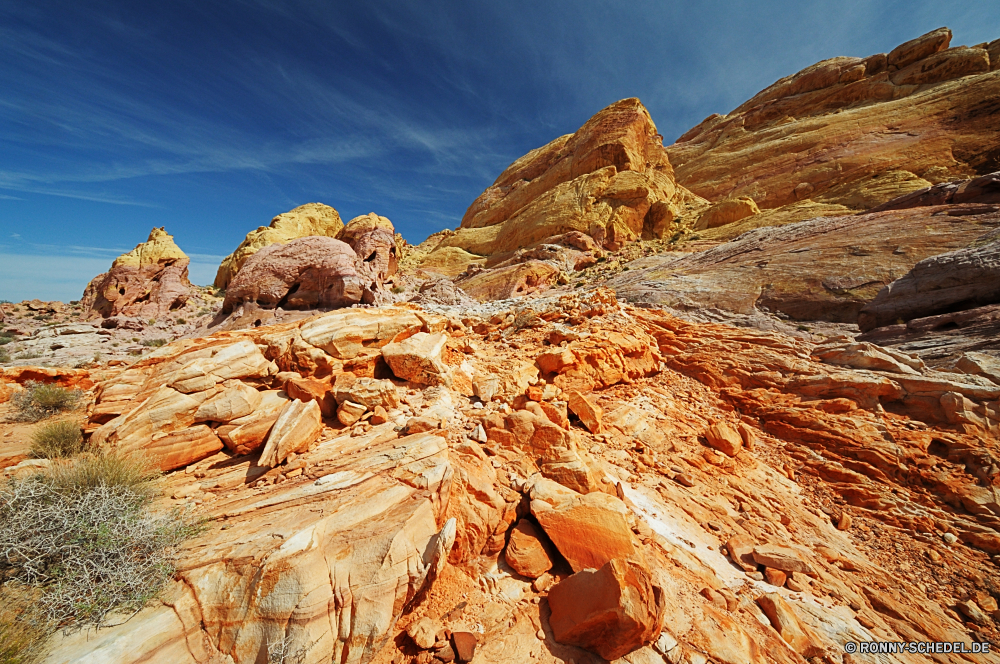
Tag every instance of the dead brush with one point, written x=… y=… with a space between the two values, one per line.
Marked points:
x=39 y=400
x=83 y=535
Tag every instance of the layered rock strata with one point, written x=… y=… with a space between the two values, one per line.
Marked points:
x=773 y=550
x=847 y=134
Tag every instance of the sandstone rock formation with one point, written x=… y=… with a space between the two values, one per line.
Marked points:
x=954 y=281
x=857 y=506
x=610 y=181
x=306 y=273
x=827 y=268
x=149 y=281
x=984 y=189
x=303 y=221
x=847 y=134
x=317 y=272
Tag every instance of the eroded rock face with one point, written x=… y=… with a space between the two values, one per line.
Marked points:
x=610 y=180
x=303 y=221
x=306 y=273
x=148 y=282
x=827 y=268
x=954 y=281
x=847 y=134
x=318 y=272
x=373 y=239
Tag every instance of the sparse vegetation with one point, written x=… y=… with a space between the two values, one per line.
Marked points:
x=152 y=321
x=38 y=401
x=279 y=651
x=4 y=356
x=6 y=338
x=182 y=321
x=28 y=355
x=22 y=626
x=57 y=440
x=154 y=343
x=81 y=534
x=397 y=289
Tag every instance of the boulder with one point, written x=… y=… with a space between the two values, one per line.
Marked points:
x=373 y=240
x=727 y=212
x=527 y=552
x=305 y=273
x=235 y=400
x=588 y=530
x=611 y=611
x=344 y=335
x=148 y=282
x=723 y=437
x=297 y=427
x=589 y=413
x=304 y=221
x=780 y=558
x=247 y=434
x=418 y=358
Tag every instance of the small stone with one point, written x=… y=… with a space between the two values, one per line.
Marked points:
x=949 y=538
x=794 y=585
x=971 y=610
x=590 y=414
x=775 y=576
x=684 y=479
x=844 y=522
x=724 y=438
x=465 y=645
x=540 y=634
x=424 y=632
x=543 y=583
x=420 y=425
x=379 y=416
x=349 y=413
x=781 y=558
x=446 y=653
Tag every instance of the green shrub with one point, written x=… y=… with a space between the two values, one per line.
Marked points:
x=5 y=338
x=397 y=289
x=82 y=534
x=182 y=321
x=4 y=355
x=38 y=401
x=28 y=355
x=154 y=343
x=57 y=440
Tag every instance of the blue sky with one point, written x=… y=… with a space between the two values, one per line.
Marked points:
x=210 y=118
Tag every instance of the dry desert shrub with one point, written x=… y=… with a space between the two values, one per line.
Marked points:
x=84 y=536
x=38 y=401
x=23 y=628
x=57 y=440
